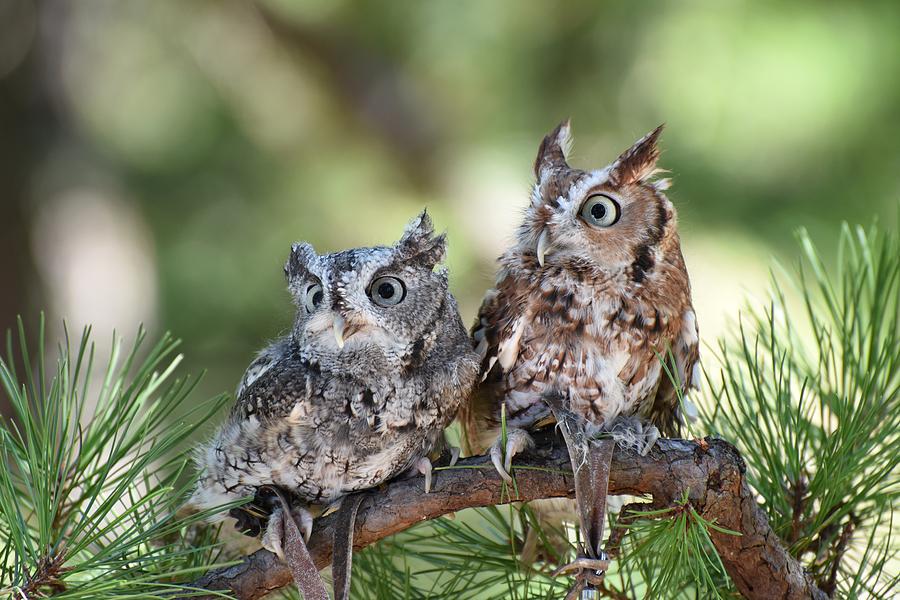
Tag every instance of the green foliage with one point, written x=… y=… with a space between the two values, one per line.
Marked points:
x=808 y=391
x=93 y=472
x=479 y=555
x=474 y=556
x=670 y=549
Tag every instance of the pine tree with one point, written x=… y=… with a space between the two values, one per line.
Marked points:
x=807 y=388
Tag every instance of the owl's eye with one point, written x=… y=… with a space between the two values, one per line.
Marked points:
x=600 y=211
x=314 y=295
x=387 y=291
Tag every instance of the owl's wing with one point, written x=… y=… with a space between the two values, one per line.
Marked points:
x=273 y=384
x=682 y=362
x=263 y=361
x=496 y=335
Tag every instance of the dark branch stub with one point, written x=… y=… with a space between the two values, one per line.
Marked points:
x=713 y=475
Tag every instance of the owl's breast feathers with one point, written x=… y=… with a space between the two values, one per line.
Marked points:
x=322 y=433
x=598 y=339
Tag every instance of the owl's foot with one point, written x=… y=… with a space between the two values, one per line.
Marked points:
x=286 y=535
x=249 y=520
x=630 y=432
x=517 y=440
x=454 y=456
x=252 y=518
x=274 y=536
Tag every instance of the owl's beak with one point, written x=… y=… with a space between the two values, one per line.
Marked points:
x=342 y=329
x=543 y=246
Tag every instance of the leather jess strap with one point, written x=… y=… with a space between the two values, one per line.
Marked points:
x=342 y=561
x=296 y=554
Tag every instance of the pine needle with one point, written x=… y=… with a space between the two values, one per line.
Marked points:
x=93 y=472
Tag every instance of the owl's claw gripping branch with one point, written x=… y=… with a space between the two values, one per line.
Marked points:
x=517 y=440
x=281 y=519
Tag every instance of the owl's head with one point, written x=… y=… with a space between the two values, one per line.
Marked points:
x=383 y=298
x=614 y=218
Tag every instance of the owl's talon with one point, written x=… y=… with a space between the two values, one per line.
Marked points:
x=497 y=459
x=454 y=455
x=306 y=525
x=651 y=435
x=423 y=466
x=332 y=508
x=273 y=537
x=517 y=440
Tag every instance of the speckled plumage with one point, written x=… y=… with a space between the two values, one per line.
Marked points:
x=585 y=306
x=594 y=318
x=358 y=392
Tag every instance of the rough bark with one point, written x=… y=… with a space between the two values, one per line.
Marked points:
x=712 y=473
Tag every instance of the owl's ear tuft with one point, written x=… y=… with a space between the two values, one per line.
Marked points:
x=420 y=245
x=552 y=152
x=637 y=163
x=298 y=263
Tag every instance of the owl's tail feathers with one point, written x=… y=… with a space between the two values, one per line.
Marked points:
x=591 y=460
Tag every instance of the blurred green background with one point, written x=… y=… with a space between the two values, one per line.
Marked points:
x=158 y=158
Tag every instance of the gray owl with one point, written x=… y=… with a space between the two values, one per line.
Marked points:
x=375 y=367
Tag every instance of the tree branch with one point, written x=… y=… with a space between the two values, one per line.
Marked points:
x=713 y=474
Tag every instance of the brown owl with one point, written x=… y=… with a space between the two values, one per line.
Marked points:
x=590 y=324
